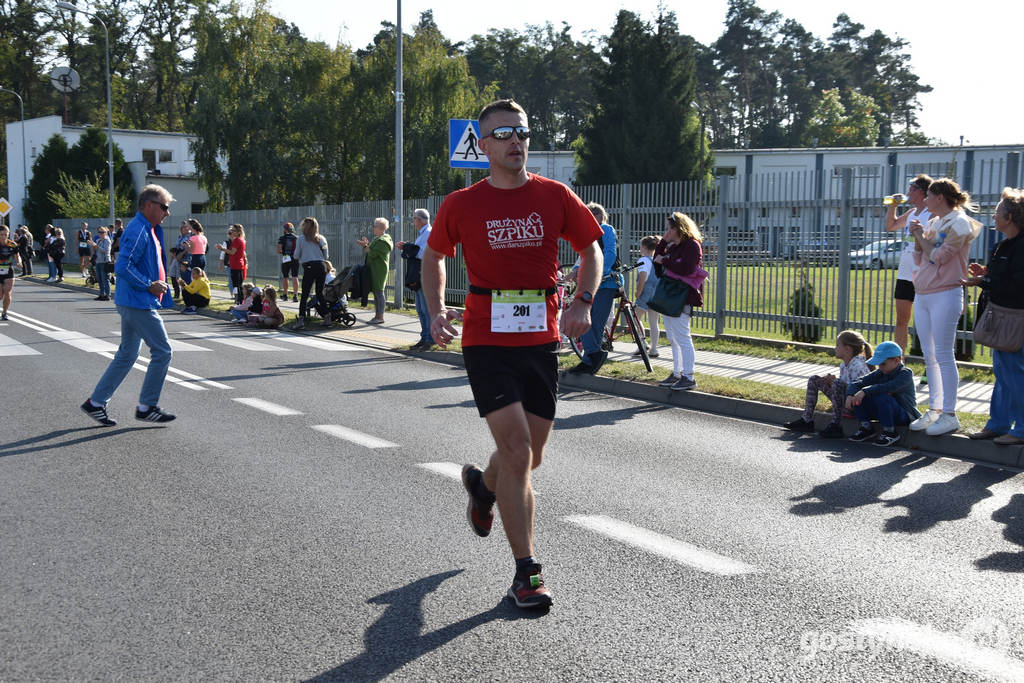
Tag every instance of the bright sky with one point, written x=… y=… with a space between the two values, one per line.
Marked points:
x=970 y=54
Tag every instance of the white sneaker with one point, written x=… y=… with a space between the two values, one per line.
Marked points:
x=653 y=352
x=946 y=424
x=51 y=279
x=925 y=421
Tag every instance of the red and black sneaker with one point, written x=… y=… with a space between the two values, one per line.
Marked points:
x=528 y=589
x=480 y=511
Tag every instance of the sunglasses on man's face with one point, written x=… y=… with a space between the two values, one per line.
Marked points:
x=165 y=207
x=505 y=132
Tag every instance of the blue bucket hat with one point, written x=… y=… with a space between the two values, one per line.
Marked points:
x=885 y=351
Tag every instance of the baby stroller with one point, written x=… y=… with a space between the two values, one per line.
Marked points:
x=90 y=278
x=334 y=306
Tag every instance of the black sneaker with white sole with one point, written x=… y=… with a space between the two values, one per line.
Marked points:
x=153 y=414
x=99 y=414
x=862 y=434
x=887 y=438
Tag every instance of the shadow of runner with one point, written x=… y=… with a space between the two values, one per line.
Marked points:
x=1013 y=517
x=96 y=432
x=944 y=501
x=606 y=417
x=394 y=639
x=857 y=488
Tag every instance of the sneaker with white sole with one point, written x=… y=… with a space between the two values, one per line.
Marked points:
x=669 y=381
x=528 y=590
x=97 y=413
x=153 y=414
x=946 y=424
x=922 y=423
x=480 y=511
x=684 y=383
x=887 y=438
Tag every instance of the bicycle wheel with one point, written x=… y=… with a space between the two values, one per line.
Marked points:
x=576 y=344
x=638 y=334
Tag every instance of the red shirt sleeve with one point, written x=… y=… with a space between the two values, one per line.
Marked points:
x=581 y=228
x=445 y=233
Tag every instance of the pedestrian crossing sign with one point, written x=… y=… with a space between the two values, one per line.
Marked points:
x=5 y=206
x=464 y=144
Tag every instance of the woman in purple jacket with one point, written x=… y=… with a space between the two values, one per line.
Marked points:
x=680 y=255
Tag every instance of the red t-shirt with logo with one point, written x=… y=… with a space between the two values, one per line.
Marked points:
x=509 y=240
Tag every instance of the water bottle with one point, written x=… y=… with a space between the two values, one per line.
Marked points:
x=895 y=199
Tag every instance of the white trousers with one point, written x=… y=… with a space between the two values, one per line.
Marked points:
x=683 y=355
x=935 y=318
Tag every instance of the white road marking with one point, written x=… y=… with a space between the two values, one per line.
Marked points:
x=240 y=342
x=665 y=546
x=354 y=436
x=951 y=648
x=177 y=345
x=143 y=365
x=267 y=406
x=11 y=347
x=313 y=342
x=445 y=469
x=32 y=322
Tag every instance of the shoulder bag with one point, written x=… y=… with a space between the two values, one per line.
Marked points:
x=1000 y=328
x=669 y=297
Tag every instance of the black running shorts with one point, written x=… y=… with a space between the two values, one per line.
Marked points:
x=290 y=269
x=904 y=290
x=502 y=375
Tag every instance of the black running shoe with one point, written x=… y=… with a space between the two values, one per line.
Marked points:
x=887 y=438
x=582 y=368
x=862 y=434
x=480 y=511
x=98 y=414
x=153 y=414
x=528 y=590
x=799 y=425
x=832 y=431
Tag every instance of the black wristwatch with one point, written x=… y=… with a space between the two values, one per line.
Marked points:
x=585 y=297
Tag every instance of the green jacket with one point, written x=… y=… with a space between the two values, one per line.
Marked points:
x=377 y=258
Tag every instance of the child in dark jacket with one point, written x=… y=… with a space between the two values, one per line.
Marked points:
x=887 y=394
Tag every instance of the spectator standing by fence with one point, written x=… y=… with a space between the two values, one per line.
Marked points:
x=312 y=254
x=289 y=266
x=1003 y=280
x=57 y=250
x=235 y=251
x=378 y=258
x=83 y=238
x=198 y=246
x=941 y=251
x=24 y=240
x=101 y=247
x=421 y=221
x=679 y=253
x=903 y=294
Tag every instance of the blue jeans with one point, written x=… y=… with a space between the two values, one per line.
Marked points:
x=1006 y=410
x=884 y=408
x=53 y=268
x=103 y=276
x=198 y=261
x=424 y=313
x=240 y=315
x=137 y=325
x=603 y=300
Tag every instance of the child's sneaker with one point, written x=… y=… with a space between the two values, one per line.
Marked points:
x=799 y=425
x=887 y=438
x=832 y=431
x=862 y=434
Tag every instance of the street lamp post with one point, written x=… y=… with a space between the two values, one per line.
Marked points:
x=110 y=118
x=24 y=165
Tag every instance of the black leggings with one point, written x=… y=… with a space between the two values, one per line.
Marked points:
x=237 y=276
x=58 y=261
x=313 y=273
x=195 y=300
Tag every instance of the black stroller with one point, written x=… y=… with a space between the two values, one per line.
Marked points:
x=333 y=308
x=91 y=277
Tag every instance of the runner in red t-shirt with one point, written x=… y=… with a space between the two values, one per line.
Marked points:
x=509 y=225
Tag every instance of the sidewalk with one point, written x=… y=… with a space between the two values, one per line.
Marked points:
x=404 y=330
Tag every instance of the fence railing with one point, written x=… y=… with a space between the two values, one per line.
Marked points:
x=765 y=236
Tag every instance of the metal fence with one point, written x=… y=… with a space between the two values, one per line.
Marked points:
x=764 y=236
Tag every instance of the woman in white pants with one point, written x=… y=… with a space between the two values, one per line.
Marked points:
x=680 y=255
x=941 y=250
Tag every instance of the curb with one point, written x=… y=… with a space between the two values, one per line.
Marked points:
x=951 y=446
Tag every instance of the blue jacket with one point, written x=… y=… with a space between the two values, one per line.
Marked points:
x=136 y=266
x=899 y=383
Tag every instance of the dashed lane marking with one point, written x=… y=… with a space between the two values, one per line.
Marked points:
x=445 y=469
x=961 y=650
x=665 y=546
x=267 y=406
x=354 y=436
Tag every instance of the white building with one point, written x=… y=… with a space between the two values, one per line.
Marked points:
x=153 y=157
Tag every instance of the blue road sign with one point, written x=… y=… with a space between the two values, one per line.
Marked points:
x=464 y=144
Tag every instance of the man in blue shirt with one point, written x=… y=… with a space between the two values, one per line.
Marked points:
x=141 y=290
x=604 y=298
x=421 y=221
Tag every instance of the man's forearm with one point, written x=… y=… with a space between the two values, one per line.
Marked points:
x=591 y=265
x=434 y=277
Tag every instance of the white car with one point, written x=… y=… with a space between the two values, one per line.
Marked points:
x=877 y=255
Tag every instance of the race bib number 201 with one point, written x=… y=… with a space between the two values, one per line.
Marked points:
x=518 y=311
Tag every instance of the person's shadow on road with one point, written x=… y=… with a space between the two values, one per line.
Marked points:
x=36 y=444
x=857 y=488
x=395 y=639
x=944 y=501
x=1012 y=515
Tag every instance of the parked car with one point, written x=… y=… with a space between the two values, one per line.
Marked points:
x=876 y=255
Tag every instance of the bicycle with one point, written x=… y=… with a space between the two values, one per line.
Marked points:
x=625 y=310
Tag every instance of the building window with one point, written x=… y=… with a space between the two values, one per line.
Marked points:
x=795 y=212
x=197 y=208
x=149 y=156
x=725 y=170
x=166 y=156
x=859 y=170
x=733 y=212
x=33 y=152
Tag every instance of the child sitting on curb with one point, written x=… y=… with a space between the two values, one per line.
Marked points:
x=853 y=350
x=240 y=312
x=195 y=294
x=887 y=394
x=271 y=316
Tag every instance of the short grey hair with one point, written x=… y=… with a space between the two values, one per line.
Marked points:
x=599 y=212
x=154 y=193
x=422 y=214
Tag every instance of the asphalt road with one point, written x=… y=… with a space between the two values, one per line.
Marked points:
x=323 y=535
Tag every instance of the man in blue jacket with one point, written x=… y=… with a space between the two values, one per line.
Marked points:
x=141 y=290
x=611 y=282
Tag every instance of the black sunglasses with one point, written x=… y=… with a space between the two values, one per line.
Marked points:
x=505 y=132
x=165 y=207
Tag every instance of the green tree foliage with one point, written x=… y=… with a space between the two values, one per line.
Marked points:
x=834 y=124
x=52 y=159
x=89 y=196
x=645 y=127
